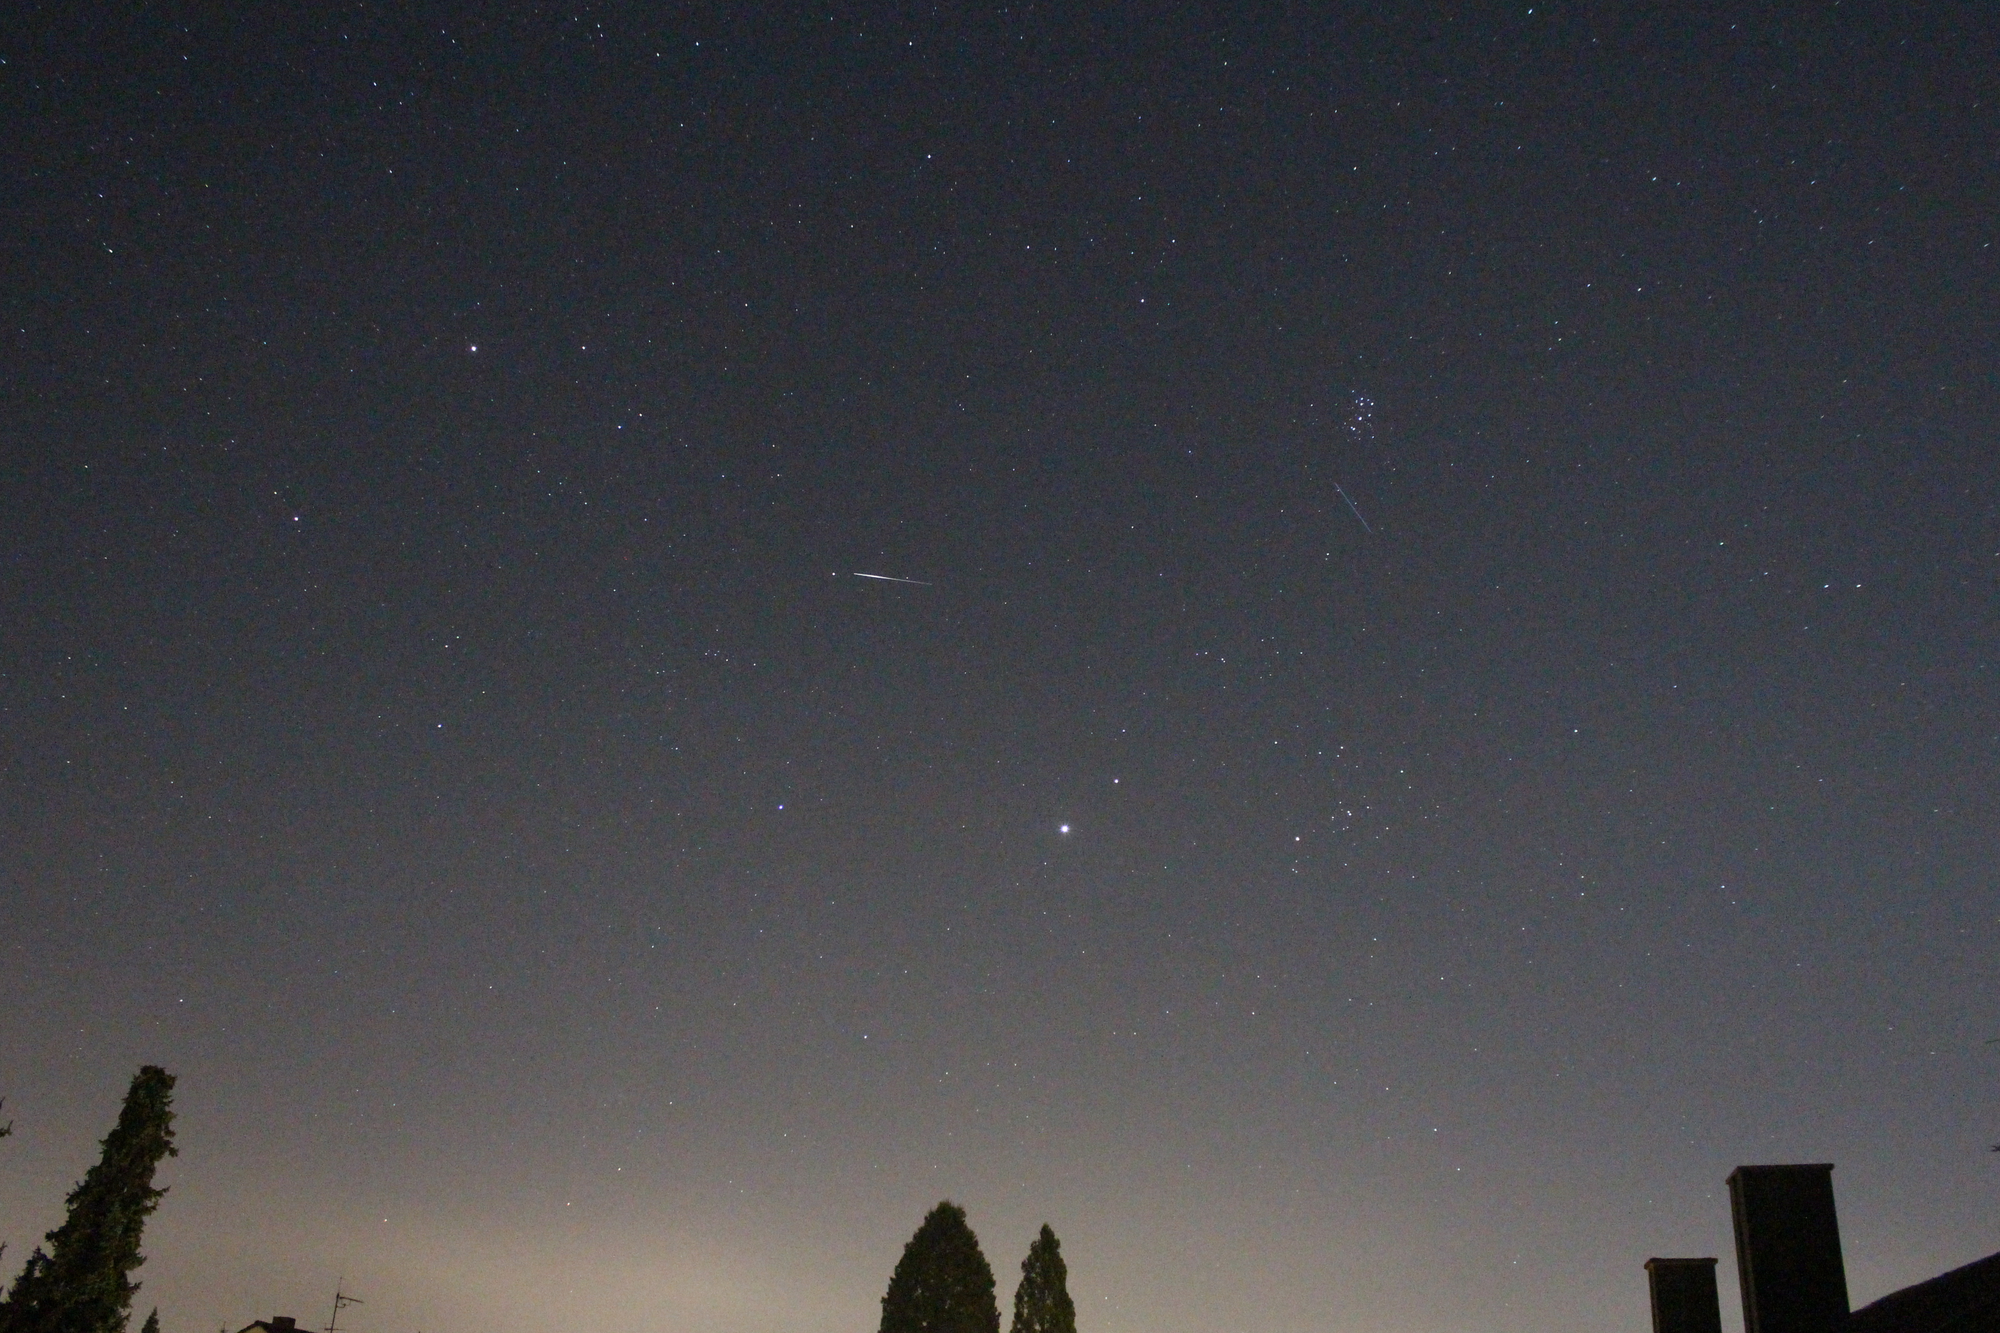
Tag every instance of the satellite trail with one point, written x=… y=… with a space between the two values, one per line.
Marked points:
x=891 y=578
x=1356 y=508
x=1360 y=426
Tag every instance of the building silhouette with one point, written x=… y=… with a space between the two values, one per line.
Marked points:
x=1793 y=1280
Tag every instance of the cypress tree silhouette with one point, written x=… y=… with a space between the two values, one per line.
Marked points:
x=82 y=1283
x=1041 y=1302
x=942 y=1284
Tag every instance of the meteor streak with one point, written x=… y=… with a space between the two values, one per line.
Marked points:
x=1356 y=508
x=891 y=578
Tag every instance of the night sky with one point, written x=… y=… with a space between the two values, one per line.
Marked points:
x=1447 y=695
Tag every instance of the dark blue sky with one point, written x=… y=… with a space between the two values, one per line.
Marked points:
x=440 y=721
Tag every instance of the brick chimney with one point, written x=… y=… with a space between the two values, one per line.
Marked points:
x=1684 y=1299
x=1788 y=1249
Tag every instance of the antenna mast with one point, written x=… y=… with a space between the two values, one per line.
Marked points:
x=341 y=1300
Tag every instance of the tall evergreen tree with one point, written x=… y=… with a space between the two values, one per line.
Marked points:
x=1041 y=1302
x=82 y=1283
x=942 y=1284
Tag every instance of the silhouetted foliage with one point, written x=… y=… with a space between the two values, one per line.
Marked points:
x=1041 y=1302
x=82 y=1283
x=5 y=1130
x=942 y=1284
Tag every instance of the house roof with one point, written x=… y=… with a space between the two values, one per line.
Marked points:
x=1965 y=1300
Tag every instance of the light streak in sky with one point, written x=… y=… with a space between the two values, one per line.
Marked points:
x=1356 y=508
x=1360 y=425
x=891 y=578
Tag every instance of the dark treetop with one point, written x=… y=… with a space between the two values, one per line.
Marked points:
x=942 y=1284
x=82 y=1283
x=1041 y=1302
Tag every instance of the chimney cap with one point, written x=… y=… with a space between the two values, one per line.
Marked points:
x=1774 y=1168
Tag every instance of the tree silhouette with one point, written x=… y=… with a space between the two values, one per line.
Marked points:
x=1041 y=1302
x=82 y=1283
x=5 y=1130
x=942 y=1284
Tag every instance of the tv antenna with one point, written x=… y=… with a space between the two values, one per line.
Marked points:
x=341 y=1300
